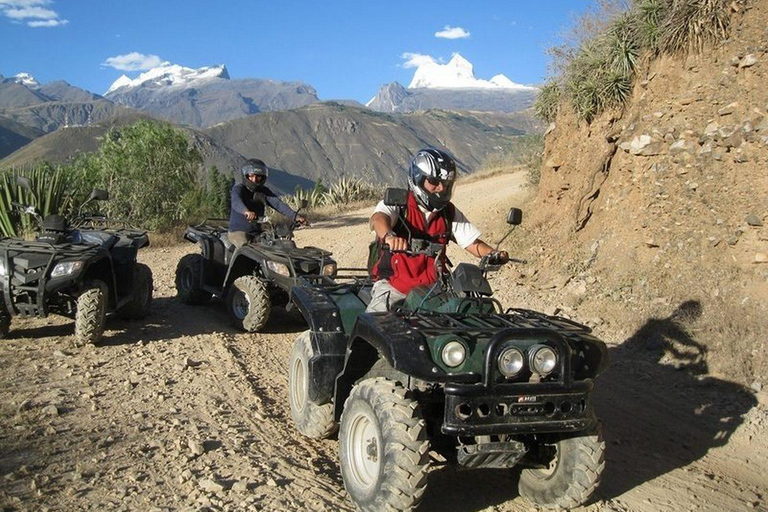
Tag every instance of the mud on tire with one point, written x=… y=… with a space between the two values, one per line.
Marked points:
x=189 y=278
x=249 y=304
x=91 y=312
x=139 y=305
x=573 y=474
x=312 y=420
x=383 y=447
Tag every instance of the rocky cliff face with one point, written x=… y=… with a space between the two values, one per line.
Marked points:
x=658 y=211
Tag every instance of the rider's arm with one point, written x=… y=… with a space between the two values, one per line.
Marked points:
x=381 y=224
x=237 y=202
x=277 y=204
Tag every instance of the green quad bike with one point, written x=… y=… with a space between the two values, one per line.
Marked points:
x=450 y=372
x=252 y=279
x=84 y=269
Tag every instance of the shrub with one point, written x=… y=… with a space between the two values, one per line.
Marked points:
x=48 y=194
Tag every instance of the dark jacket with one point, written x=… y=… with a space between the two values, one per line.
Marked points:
x=244 y=200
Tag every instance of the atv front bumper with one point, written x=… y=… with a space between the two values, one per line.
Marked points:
x=540 y=408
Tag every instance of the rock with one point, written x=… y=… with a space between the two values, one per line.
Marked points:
x=748 y=61
x=554 y=163
x=240 y=486
x=645 y=145
x=757 y=386
x=761 y=257
x=728 y=109
x=191 y=363
x=753 y=220
x=682 y=146
x=550 y=129
x=25 y=405
x=51 y=410
x=195 y=447
x=209 y=485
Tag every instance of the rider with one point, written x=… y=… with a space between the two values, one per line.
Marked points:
x=249 y=198
x=430 y=215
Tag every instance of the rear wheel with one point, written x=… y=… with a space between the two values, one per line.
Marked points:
x=383 y=447
x=574 y=468
x=91 y=312
x=189 y=280
x=248 y=303
x=312 y=420
x=141 y=301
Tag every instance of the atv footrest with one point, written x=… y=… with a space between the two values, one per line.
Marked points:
x=31 y=310
x=490 y=455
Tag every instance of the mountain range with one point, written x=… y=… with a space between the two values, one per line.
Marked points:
x=284 y=123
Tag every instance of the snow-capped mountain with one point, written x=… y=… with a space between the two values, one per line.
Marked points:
x=458 y=73
x=205 y=96
x=171 y=75
x=24 y=79
x=453 y=86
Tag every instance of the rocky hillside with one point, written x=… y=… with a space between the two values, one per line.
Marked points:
x=657 y=212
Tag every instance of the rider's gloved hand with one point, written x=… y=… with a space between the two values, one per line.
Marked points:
x=498 y=258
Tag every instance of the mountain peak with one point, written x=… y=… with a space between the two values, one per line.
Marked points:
x=458 y=73
x=168 y=75
x=25 y=79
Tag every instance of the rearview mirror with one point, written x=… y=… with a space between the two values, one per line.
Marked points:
x=515 y=216
x=98 y=194
x=396 y=197
x=24 y=182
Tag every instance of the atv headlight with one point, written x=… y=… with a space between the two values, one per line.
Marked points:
x=329 y=269
x=278 y=268
x=453 y=353
x=510 y=361
x=66 y=268
x=543 y=359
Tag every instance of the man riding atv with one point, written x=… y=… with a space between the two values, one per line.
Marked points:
x=249 y=198
x=429 y=215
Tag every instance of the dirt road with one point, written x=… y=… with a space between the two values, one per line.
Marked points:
x=183 y=412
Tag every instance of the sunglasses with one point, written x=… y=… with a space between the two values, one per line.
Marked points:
x=436 y=181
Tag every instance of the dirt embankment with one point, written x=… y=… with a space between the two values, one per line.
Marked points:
x=183 y=412
x=659 y=211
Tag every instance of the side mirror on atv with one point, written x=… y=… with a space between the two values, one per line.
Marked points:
x=98 y=194
x=396 y=197
x=515 y=216
x=23 y=182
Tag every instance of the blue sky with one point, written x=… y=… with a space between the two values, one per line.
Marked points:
x=345 y=49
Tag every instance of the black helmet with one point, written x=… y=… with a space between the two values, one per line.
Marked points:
x=437 y=166
x=257 y=167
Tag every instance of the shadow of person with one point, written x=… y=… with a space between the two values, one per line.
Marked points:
x=660 y=411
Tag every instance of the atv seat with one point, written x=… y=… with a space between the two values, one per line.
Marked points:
x=105 y=240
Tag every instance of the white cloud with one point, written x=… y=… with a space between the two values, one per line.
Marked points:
x=450 y=32
x=134 y=61
x=414 y=60
x=32 y=12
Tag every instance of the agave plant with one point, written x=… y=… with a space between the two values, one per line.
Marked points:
x=47 y=193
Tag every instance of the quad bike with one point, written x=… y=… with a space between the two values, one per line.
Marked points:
x=84 y=268
x=254 y=278
x=448 y=372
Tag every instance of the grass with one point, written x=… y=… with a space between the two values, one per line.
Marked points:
x=598 y=73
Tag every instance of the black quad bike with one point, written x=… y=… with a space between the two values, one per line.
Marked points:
x=448 y=375
x=84 y=268
x=254 y=278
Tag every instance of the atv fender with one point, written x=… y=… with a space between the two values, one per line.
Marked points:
x=329 y=341
x=101 y=269
x=245 y=262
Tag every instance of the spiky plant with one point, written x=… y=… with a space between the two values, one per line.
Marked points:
x=48 y=194
x=548 y=101
x=693 y=24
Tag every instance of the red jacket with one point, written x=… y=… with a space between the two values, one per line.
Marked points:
x=403 y=271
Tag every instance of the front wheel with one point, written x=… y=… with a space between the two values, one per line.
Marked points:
x=574 y=468
x=312 y=420
x=141 y=289
x=383 y=447
x=248 y=303
x=91 y=312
